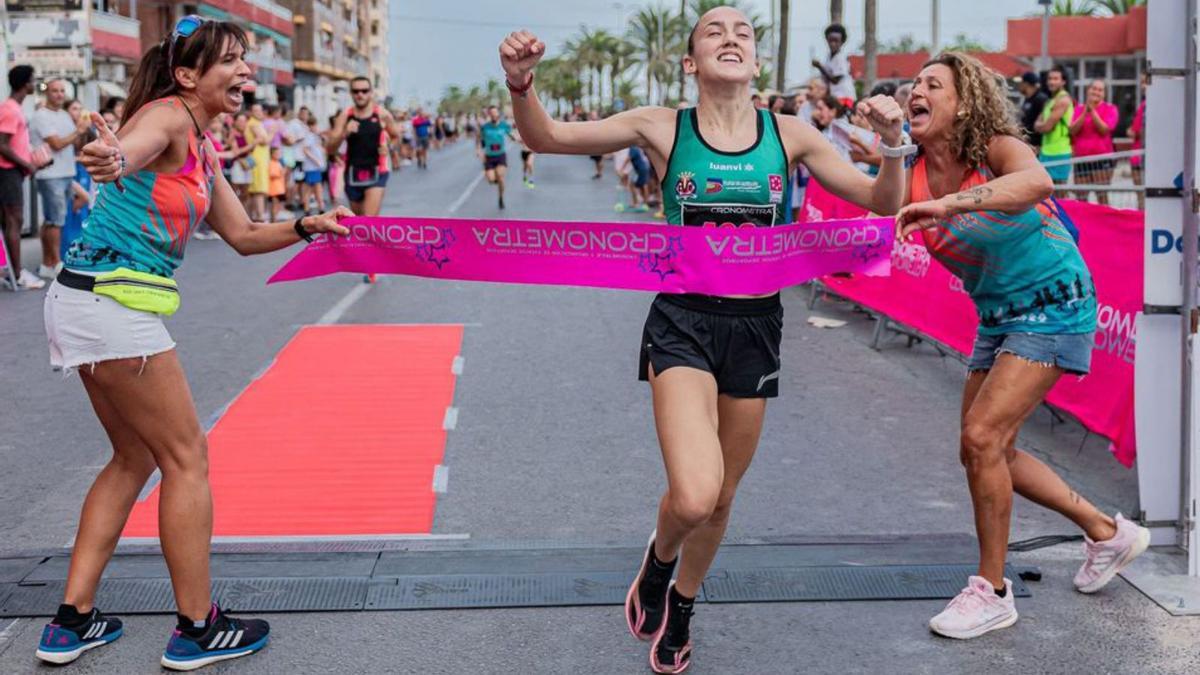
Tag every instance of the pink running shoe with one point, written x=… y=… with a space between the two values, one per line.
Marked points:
x=1106 y=558
x=645 y=604
x=975 y=611
x=671 y=651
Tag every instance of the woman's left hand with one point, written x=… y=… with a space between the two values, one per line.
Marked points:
x=920 y=216
x=885 y=117
x=327 y=222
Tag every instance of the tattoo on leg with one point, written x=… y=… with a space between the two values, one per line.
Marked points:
x=976 y=194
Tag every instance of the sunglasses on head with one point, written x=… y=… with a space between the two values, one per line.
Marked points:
x=184 y=28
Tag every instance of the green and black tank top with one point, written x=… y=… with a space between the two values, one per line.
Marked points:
x=706 y=187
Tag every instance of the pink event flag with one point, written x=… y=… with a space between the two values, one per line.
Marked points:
x=634 y=256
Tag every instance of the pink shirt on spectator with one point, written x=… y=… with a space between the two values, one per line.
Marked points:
x=12 y=122
x=1089 y=141
x=1139 y=127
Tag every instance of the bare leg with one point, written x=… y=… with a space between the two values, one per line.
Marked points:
x=1004 y=399
x=108 y=502
x=372 y=200
x=13 y=220
x=740 y=423
x=156 y=404
x=51 y=237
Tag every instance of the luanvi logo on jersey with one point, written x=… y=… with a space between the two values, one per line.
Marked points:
x=685 y=186
x=722 y=166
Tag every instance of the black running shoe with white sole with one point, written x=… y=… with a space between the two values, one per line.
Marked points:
x=647 y=596
x=71 y=634
x=672 y=648
x=223 y=638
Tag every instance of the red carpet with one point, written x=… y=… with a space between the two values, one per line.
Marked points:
x=340 y=436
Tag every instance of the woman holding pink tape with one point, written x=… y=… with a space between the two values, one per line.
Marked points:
x=712 y=362
x=978 y=196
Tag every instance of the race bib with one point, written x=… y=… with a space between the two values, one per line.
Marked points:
x=727 y=215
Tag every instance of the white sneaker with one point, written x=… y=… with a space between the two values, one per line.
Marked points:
x=975 y=611
x=49 y=272
x=27 y=281
x=1106 y=558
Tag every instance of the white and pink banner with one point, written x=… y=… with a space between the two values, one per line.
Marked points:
x=718 y=260
x=922 y=294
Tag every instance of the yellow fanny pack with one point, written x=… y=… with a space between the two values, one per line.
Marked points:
x=139 y=290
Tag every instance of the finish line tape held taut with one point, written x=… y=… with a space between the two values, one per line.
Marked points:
x=632 y=256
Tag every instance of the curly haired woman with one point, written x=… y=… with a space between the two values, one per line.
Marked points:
x=977 y=194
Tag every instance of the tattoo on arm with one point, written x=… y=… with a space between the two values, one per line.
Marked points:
x=976 y=195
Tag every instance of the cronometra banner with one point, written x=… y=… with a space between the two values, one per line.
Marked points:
x=634 y=256
x=920 y=293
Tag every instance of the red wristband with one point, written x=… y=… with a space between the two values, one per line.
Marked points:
x=519 y=91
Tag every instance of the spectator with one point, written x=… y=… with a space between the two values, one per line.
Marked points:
x=757 y=100
x=1054 y=125
x=1092 y=127
x=817 y=90
x=276 y=182
x=421 y=127
x=295 y=130
x=52 y=126
x=16 y=162
x=81 y=187
x=1030 y=86
x=242 y=163
x=903 y=93
x=111 y=119
x=776 y=103
x=116 y=106
x=1137 y=131
x=313 y=162
x=836 y=69
x=260 y=142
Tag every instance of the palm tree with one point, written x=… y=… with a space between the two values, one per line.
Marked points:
x=870 y=45
x=494 y=91
x=782 y=52
x=620 y=59
x=835 y=11
x=654 y=33
x=1073 y=8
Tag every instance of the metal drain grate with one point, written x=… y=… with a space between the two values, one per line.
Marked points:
x=808 y=584
x=491 y=576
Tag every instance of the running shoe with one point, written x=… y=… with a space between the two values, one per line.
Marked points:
x=640 y=208
x=502 y=202
x=619 y=207
x=28 y=281
x=1106 y=558
x=49 y=271
x=62 y=644
x=975 y=611
x=672 y=648
x=225 y=638
x=646 y=600
x=530 y=184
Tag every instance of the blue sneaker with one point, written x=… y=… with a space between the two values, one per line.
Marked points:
x=62 y=644
x=224 y=638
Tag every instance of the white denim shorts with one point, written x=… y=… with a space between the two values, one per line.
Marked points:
x=84 y=328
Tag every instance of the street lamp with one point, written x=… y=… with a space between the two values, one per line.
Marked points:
x=1044 y=59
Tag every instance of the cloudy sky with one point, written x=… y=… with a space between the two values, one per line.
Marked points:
x=441 y=42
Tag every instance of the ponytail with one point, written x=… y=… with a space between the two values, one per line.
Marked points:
x=150 y=82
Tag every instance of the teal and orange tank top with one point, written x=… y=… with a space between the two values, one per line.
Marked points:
x=147 y=227
x=1023 y=271
x=706 y=187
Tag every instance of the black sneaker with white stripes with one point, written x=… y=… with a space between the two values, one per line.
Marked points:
x=222 y=637
x=71 y=634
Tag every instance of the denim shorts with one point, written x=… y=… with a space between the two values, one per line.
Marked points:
x=1070 y=351
x=55 y=193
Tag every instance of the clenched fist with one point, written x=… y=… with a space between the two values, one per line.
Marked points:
x=884 y=116
x=519 y=53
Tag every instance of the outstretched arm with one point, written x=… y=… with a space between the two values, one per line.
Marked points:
x=1021 y=183
x=519 y=53
x=885 y=193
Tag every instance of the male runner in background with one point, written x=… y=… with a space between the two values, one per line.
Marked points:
x=493 y=137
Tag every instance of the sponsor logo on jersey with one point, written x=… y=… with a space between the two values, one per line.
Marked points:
x=712 y=186
x=775 y=183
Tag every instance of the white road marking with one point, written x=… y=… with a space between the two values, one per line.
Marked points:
x=456 y=366
x=466 y=194
x=441 y=478
x=450 y=421
x=335 y=313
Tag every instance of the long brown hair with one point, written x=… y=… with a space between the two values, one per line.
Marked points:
x=984 y=111
x=200 y=50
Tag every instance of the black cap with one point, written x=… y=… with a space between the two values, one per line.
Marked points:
x=1031 y=77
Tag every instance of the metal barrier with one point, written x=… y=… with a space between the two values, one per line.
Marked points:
x=1109 y=179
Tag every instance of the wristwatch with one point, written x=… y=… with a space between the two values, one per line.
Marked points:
x=898 y=152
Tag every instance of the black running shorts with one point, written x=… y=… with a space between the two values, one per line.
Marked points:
x=492 y=161
x=737 y=340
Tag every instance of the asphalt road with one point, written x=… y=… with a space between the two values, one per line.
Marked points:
x=555 y=442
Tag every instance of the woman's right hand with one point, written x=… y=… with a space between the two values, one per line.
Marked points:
x=519 y=53
x=102 y=157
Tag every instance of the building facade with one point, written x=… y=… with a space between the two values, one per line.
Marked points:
x=377 y=42
x=93 y=45
x=330 y=49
